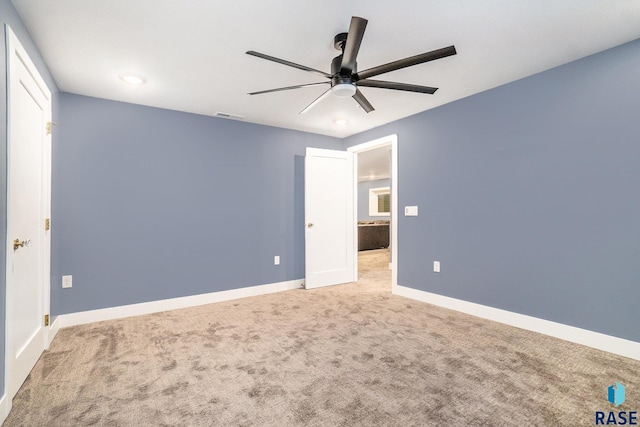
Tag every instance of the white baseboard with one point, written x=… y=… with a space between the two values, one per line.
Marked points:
x=5 y=407
x=53 y=330
x=593 y=339
x=111 y=313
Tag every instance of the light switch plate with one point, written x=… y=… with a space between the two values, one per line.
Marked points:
x=276 y=260
x=67 y=281
x=436 y=266
x=410 y=211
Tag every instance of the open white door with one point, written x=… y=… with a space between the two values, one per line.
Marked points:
x=329 y=217
x=28 y=206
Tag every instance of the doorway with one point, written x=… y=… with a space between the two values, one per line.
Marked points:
x=376 y=181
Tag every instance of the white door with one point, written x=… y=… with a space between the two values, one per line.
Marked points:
x=329 y=217
x=28 y=201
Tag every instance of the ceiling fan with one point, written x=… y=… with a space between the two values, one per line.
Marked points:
x=345 y=79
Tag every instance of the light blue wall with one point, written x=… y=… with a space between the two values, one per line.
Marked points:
x=528 y=195
x=8 y=15
x=151 y=204
x=363 y=198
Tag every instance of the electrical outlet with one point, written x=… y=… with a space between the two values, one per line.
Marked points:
x=276 y=260
x=67 y=281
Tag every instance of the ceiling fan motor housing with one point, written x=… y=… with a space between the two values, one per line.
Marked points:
x=341 y=85
x=335 y=67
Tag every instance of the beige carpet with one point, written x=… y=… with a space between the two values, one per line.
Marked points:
x=349 y=355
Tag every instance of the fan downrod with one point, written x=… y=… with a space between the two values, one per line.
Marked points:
x=339 y=42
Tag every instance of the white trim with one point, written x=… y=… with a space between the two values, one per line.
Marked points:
x=372 y=145
x=120 y=312
x=387 y=141
x=356 y=241
x=592 y=339
x=53 y=331
x=5 y=407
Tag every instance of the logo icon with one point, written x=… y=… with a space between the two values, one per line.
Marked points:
x=616 y=394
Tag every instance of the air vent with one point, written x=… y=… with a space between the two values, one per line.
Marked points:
x=229 y=116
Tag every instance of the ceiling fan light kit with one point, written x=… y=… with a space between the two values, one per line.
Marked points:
x=345 y=78
x=343 y=90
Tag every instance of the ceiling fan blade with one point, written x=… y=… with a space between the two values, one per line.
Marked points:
x=316 y=101
x=397 y=86
x=352 y=46
x=407 y=62
x=288 y=63
x=364 y=103
x=288 y=88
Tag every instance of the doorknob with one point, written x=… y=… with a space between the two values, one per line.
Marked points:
x=18 y=244
x=310 y=225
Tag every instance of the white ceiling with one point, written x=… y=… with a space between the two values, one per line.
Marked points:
x=192 y=53
x=374 y=164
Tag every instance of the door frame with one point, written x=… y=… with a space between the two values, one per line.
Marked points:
x=16 y=52
x=386 y=141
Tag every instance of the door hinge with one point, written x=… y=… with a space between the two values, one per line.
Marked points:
x=48 y=127
x=47 y=224
x=46 y=320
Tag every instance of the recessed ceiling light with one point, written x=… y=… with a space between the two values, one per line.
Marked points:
x=132 y=79
x=340 y=122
